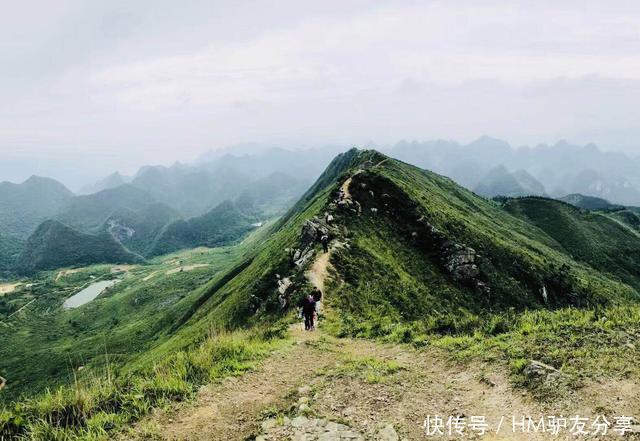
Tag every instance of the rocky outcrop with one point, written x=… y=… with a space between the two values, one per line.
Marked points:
x=285 y=289
x=539 y=371
x=458 y=260
x=312 y=230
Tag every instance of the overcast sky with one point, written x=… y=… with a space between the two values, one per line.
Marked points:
x=90 y=87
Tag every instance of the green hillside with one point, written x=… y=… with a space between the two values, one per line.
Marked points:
x=588 y=202
x=55 y=245
x=590 y=238
x=10 y=249
x=222 y=225
x=629 y=216
x=415 y=259
x=24 y=206
x=89 y=213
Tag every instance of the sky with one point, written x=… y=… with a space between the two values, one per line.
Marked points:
x=92 y=87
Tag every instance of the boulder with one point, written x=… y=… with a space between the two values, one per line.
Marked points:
x=387 y=433
x=537 y=369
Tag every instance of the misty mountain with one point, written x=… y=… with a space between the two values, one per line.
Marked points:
x=588 y=202
x=561 y=168
x=271 y=196
x=113 y=180
x=190 y=190
x=220 y=226
x=90 y=212
x=24 y=206
x=55 y=245
x=500 y=182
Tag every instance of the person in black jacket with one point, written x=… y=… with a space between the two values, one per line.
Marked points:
x=325 y=243
x=308 y=310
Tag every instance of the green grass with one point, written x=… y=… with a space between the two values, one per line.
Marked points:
x=96 y=406
x=118 y=326
x=370 y=369
x=390 y=284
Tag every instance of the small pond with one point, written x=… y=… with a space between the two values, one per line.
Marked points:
x=89 y=293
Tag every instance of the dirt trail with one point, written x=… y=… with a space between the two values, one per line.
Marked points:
x=324 y=388
x=345 y=388
x=319 y=271
x=233 y=409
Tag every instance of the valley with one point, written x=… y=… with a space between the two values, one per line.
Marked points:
x=436 y=300
x=43 y=319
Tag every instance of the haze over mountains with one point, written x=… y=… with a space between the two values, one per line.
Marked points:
x=217 y=199
x=415 y=257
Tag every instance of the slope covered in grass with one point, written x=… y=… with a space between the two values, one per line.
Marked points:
x=591 y=238
x=415 y=258
x=55 y=245
x=415 y=225
x=221 y=225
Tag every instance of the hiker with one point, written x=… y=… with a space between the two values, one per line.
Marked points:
x=317 y=297
x=308 y=310
x=328 y=217
x=325 y=243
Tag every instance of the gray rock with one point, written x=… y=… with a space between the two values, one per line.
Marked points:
x=299 y=421
x=541 y=371
x=387 y=433
x=348 y=434
x=329 y=436
x=304 y=390
x=269 y=424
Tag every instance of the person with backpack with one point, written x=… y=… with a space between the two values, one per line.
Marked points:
x=308 y=310
x=325 y=243
x=317 y=297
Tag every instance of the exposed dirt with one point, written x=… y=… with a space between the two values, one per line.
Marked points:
x=186 y=268
x=319 y=271
x=122 y=268
x=360 y=388
x=6 y=288
x=150 y=276
x=64 y=273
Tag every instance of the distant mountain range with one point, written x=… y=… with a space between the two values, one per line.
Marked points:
x=24 y=206
x=159 y=210
x=55 y=245
x=216 y=200
x=555 y=170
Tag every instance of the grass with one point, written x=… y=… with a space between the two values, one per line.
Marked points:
x=96 y=406
x=585 y=328
x=128 y=320
x=370 y=369
x=391 y=285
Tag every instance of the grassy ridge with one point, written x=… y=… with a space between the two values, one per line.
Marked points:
x=97 y=404
x=587 y=237
x=172 y=368
x=391 y=283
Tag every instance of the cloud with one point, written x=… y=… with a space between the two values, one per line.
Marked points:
x=161 y=80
